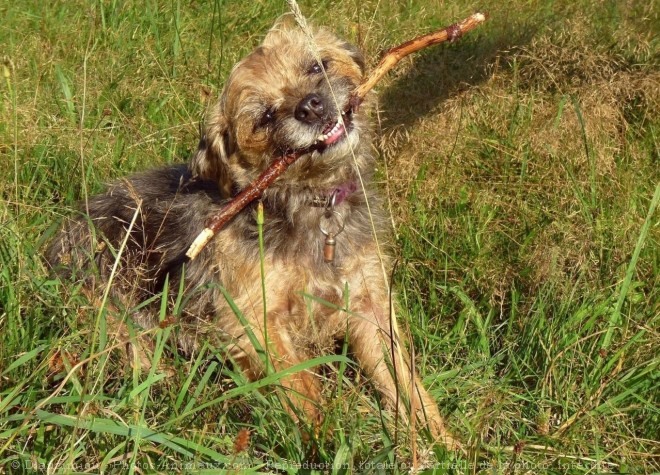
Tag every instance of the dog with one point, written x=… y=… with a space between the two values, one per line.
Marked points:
x=324 y=230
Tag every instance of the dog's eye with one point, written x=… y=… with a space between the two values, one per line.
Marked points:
x=267 y=118
x=318 y=68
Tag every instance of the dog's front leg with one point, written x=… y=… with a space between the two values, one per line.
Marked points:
x=381 y=355
x=302 y=391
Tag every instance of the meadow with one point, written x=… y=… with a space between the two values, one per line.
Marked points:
x=522 y=168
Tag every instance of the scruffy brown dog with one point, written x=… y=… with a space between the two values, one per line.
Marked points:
x=284 y=96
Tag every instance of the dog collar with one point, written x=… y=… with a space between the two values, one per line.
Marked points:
x=336 y=196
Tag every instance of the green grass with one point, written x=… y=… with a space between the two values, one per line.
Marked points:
x=522 y=168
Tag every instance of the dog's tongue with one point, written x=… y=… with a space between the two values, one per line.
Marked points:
x=332 y=133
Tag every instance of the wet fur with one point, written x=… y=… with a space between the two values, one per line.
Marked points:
x=172 y=204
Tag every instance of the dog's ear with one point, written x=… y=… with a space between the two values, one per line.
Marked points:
x=210 y=162
x=355 y=54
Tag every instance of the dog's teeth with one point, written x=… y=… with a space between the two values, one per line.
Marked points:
x=336 y=128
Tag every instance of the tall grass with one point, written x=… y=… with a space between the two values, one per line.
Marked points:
x=521 y=164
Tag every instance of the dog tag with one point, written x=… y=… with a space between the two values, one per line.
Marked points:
x=329 y=248
x=330 y=219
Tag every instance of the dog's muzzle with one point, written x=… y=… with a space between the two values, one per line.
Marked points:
x=314 y=110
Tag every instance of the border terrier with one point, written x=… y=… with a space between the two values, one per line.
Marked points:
x=325 y=275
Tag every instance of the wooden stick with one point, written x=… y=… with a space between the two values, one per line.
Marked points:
x=280 y=164
x=240 y=201
x=396 y=54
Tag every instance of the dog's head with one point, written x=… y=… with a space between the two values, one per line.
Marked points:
x=289 y=94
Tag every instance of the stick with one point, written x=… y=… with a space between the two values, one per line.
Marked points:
x=396 y=54
x=279 y=165
x=240 y=201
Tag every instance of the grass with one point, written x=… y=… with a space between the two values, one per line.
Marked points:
x=521 y=164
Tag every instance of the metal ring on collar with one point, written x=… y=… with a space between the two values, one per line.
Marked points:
x=331 y=201
x=329 y=214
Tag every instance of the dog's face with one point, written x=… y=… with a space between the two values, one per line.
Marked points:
x=281 y=98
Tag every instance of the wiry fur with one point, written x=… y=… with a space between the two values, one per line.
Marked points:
x=241 y=138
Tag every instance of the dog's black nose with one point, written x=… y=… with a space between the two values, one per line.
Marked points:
x=310 y=109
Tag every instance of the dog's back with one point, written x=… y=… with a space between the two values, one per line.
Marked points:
x=154 y=216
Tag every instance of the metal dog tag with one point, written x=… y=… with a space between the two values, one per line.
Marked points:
x=329 y=248
x=330 y=242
